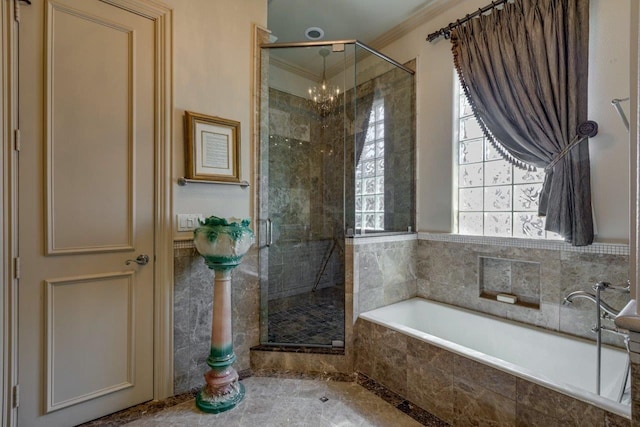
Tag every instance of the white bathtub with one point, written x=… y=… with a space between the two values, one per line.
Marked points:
x=560 y=362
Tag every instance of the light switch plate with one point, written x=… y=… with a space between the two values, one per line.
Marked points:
x=189 y=222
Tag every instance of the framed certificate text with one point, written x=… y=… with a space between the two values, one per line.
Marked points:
x=212 y=152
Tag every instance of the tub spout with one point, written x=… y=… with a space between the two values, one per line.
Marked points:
x=591 y=297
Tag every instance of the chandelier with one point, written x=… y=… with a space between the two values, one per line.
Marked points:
x=323 y=96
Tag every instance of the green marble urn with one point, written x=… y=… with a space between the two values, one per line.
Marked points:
x=223 y=242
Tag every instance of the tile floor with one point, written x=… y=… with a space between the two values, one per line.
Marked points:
x=286 y=402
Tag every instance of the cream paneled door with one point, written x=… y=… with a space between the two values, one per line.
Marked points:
x=85 y=207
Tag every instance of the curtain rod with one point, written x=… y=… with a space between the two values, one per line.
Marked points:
x=446 y=31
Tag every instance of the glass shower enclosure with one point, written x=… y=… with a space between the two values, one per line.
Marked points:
x=336 y=161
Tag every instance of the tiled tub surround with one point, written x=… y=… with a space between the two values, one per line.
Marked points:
x=384 y=270
x=449 y=271
x=453 y=368
x=193 y=304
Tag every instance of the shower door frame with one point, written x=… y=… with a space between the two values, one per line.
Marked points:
x=264 y=221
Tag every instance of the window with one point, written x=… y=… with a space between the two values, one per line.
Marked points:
x=370 y=174
x=494 y=198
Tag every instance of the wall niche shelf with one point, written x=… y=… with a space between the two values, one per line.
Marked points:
x=493 y=297
x=519 y=278
x=182 y=181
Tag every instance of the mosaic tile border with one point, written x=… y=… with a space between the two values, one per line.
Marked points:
x=414 y=411
x=596 y=248
x=350 y=241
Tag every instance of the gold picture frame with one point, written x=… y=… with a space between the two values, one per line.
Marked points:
x=212 y=148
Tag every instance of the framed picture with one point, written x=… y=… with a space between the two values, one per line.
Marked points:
x=212 y=152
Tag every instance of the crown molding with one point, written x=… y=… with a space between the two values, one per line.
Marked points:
x=423 y=15
x=295 y=69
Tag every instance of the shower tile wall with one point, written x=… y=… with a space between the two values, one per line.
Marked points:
x=305 y=206
x=448 y=272
x=295 y=267
x=193 y=304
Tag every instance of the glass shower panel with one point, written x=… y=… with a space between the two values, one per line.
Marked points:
x=336 y=159
x=302 y=195
x=382 y=158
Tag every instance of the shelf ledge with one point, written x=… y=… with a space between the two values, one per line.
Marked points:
x=182 y=181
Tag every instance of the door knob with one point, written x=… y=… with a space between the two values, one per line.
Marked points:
x=141 y=260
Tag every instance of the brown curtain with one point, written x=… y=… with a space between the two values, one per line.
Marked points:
x=524 y=70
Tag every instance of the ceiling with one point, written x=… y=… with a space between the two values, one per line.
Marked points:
x=364 y=20
x=368 y=21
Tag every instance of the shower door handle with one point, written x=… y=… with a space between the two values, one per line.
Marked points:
x=269 y=232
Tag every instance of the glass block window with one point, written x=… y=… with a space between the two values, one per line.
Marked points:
x=494 y=198
x=370 y=174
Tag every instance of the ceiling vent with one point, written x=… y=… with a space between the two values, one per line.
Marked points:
x=314 y=33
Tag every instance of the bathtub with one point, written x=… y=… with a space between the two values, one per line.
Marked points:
x=526 y=352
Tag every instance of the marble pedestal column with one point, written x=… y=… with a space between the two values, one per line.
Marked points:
x=222 y=243
x=222 y=391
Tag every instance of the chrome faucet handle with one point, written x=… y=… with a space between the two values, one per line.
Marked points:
x=608 y=286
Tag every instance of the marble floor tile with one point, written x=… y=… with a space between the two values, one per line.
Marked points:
x=289 y=402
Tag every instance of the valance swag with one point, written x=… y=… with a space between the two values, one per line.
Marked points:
x=524 y=70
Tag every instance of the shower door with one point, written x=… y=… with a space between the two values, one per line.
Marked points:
x=301 y=213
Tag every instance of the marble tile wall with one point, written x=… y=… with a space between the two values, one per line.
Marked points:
x=461 y=391
x=383 y=272
x=193 y=305
x=448 y=272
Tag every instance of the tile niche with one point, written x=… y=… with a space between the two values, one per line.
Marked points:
x=508 y=276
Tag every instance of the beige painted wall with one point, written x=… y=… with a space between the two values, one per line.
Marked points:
x=609 y=78
x=212 y=55
x=213 y=76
